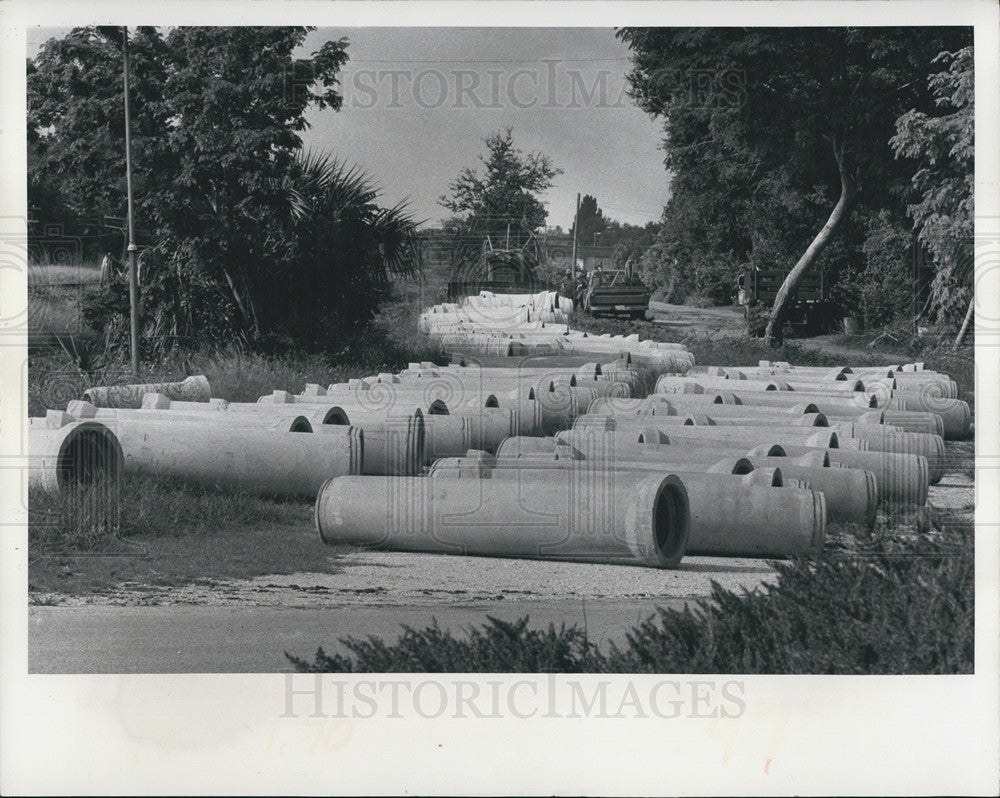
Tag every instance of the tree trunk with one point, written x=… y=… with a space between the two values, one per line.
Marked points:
x=848 y=189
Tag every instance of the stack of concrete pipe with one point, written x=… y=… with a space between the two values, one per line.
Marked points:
x=559 y=459
x=836 y=393
x=517 y=325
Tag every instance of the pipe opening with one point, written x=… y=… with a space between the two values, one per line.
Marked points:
x=336 y=415
x=492 y=401
x=86 y=458
x=301 y=424
x=531 y=394
x=777 y=481
x=743 y=467
x=671 y=520
x=439 y=408
x=811 y=408
x=776 y=451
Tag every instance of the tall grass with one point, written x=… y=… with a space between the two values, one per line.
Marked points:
x=94 y=519
x=894 y=603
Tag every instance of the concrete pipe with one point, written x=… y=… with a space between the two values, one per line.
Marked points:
x=955 y=413
x=237 y=458
x=777 y=399
x=474 y=463
x=852 y=494
x=521 y=445
x=658 y=405
x=672 y=384
x=393 y=445
x=288 y=422
x=652 y=445
x=64 y=454
x=941 y=388
x=640 y=522
x=447 y=436
x=489 y=427
x=914 y=421
x=900 y=478
x=191 y=389
x=606 y=422
x=930 y=447
x=737 y=438
x=728 y=518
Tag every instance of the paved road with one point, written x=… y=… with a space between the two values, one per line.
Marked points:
x=229 y=639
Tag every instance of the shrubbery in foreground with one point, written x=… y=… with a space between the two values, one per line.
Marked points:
x=888 y=602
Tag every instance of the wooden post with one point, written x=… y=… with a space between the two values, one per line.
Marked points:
x=133 y=280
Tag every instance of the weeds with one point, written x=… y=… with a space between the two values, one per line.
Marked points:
x=899 y=601
x=98 y=518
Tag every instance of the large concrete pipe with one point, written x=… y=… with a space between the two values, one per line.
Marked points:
x=737 y=438
x=191 y=389
x=823 y=402
x=930 y=446
x=955 y=413
x=936 y=387
x=728 y=518
x=640 y=522
x=521 y=445
x=288 y=422
x=668 y=384
x=660 y=405
x=447 y=436
x=833 y=409
x=474 y=463
x=393 y=445
x=64 y=453
x=900 y=478
x=237 y=458
x=853 y=493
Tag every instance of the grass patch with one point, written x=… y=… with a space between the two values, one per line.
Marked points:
x=159 y=532
x=899 y=600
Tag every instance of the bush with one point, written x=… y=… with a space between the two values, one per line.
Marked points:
x=887 y=602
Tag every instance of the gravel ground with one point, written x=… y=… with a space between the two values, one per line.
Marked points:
x=403 y=579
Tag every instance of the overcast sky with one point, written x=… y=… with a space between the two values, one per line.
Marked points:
x=418 y=103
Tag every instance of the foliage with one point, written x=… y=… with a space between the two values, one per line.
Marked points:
x=504 y=196
x=496 y=647
x=243 y=237
x=943 y=146
x=875 y=603
x=755 y=122
x=591 y=220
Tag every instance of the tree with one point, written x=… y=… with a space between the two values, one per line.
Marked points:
x=943 y=146
x=774 y=136
x=223 y=191
x=505 y=196
x=591 y=220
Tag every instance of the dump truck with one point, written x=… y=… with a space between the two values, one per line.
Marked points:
x=808 y=310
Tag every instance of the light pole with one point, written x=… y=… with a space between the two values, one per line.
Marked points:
x=133 y=281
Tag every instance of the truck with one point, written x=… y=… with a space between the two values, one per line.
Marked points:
x=808 y=310
x=615 y=292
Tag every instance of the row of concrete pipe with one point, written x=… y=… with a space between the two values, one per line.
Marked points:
x=534 y=324
x=559 y=461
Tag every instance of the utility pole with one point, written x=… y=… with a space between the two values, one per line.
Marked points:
x=576 y=232
x=133 y=279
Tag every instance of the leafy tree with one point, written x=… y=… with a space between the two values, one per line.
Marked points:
x=505 y=195
x=775 y=136
x=943 y=146
x=591 y=220
x=231 y=214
